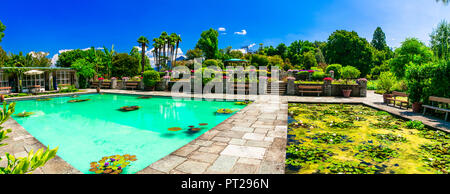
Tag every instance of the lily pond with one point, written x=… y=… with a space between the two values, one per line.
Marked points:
x=356 y=139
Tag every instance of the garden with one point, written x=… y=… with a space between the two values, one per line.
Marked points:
x=356 y=139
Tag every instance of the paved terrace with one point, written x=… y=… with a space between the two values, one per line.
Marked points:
x=251 y=141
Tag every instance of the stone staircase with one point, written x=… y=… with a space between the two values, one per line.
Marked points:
x=280 y=87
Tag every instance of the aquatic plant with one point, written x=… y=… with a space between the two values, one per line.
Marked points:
x=129 y=108
x=342 y=125
x=385 y=124
x=24 y=114
x=112 y=164
x=43 y=99
x=378 y=153
x=414 y=125
x=329 y=138
x=387 y=138
x=224 y=111
x=243 y=103
x=298 y=155
x=436 y=156
x=351 y=167
x=435 y=135
x=382 y=113
x=174 y=129
x=79 y=100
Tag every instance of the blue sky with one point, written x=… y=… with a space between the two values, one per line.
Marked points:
x=54 y=25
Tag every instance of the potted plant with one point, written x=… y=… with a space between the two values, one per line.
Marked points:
x=150 y=78
x=348 y=73
x=385 y=83
x=415 y=82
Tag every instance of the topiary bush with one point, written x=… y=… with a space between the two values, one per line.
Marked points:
x=336 y=68
x=350 y=72
x=151 y=77
x=302 y=75
x=386 y=81
x=318 y=75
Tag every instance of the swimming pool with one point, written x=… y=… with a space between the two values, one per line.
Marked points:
x=87 y=131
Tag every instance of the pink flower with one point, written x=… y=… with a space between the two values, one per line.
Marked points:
x=192 y=71
x=290 y=78
x=100 y=78
x=252 y=70
x=113 y=78
x=166 y=77
x=263 y=77
x=125 y=78
x=225 y=77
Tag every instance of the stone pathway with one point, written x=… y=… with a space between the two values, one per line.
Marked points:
x=253 y=140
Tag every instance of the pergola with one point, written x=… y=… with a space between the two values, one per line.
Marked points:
x=235 y=62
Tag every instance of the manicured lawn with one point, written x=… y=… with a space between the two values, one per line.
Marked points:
x=358 y=139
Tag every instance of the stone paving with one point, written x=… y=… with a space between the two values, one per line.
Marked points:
x=251 y=141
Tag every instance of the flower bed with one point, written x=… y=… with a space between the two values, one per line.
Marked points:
x=356 y=139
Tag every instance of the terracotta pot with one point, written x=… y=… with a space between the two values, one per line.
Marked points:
x=417 y=107
x=2 y=98
x=346 y=93
x=98 y=90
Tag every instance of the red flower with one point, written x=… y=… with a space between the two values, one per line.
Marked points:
x=328 y=79
x=100 y=78
x=311 y=71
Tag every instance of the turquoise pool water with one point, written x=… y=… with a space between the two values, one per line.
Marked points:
x=87 y=131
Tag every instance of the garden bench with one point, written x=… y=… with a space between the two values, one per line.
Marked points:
x=310 y=89
x=106 y=85
x=436 y=100
x=5 y=90
x=394 y=99
x=131 y=85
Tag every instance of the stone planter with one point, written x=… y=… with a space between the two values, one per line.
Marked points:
x=113 y=83
x=291 y=88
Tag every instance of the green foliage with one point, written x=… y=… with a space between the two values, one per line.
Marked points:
x=414 y=125
x=386 y=81
x=411 y=51
x=378 y=153
x=430 y=79
x=85 y=70
x=440 y=40
x=209 y=43
x=224 y=111
x=318 y=75
x=212 y=62
x=112 y=164
x=348 y=48
x=151 y=78
x=194 y=53
x=437 y=156
x=387 y=138
x=66 y=59
x=350 y=72
x=27 y=164
x=329 y=138
x=336 y=68
x=259 y=60
x=69 y=89
x=24 y=114
x=309 y=60
x=436 y=135
x=303 y=75
x=125 y=65
x=275 y=60
x=351 y=167
x=379 y=39
x=21 y=165
x=299 y=155
x=2 y=28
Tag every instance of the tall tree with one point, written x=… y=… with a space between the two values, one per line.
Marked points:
x=411 y=51
x=347 y=48
x=177 y=40
x=209 y=43
x=2 y=28
x=379 y=39
x=109 y=57
x=440 y=40
x=443 y=1
x=144 y=42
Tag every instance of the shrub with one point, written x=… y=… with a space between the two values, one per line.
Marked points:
x=414 y=125
x=350 y=72
x=151 y=77
x=317 y=75
x=336 y=68
x=211 y=62
x=303 y=75
x=386 y=81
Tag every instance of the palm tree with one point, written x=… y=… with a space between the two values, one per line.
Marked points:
x=443 y=1
x=143 y=41
x=109 y=57
x=165 y=43
x=177 y=40
x=156 y=48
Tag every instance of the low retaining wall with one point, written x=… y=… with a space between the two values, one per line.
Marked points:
x=358 y=90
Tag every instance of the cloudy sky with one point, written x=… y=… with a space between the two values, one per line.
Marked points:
x=54 y=25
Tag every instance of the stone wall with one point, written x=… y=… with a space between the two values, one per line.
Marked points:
x=359 y=90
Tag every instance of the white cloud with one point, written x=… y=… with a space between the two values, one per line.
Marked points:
x=243 y=50
x=243 y=32
x=54 y=60
x=222 y=29
x=251 y=45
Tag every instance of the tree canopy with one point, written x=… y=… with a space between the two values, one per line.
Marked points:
x=379 y=39
x=440 y=40
x=209 y=43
